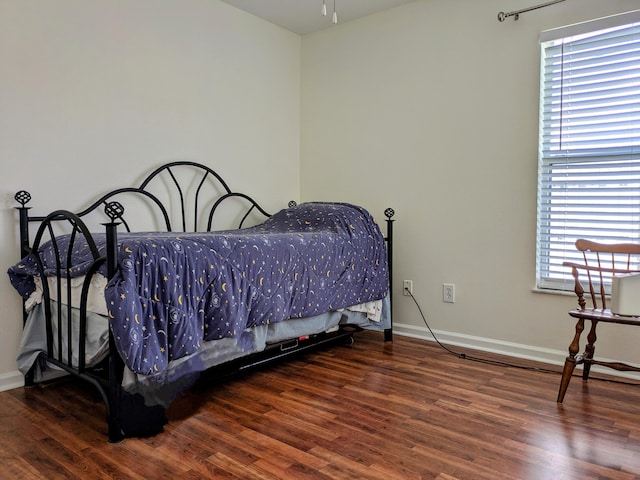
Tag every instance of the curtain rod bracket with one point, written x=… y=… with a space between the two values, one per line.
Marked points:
x=503 y=16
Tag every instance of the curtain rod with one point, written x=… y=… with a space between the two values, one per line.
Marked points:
x=516 y=14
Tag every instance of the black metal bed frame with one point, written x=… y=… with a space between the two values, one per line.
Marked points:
x=107 y=377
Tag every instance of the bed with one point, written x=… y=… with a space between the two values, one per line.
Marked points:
x=149 y=287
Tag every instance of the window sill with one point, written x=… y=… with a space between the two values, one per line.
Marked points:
x=549 y=291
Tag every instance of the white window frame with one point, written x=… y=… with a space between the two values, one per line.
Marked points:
x=588 y=172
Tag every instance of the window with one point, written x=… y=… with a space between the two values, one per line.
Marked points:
x=589 y=141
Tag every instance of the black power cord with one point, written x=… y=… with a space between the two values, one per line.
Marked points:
x=464 y=356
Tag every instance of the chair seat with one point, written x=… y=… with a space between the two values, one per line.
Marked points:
x=604 y=315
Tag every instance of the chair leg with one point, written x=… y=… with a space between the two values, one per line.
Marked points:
x=567 y=373
x=570 y=362
x=589 y=350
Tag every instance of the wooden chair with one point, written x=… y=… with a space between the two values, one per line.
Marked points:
x=601 y=263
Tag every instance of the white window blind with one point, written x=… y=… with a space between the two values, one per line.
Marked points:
x=589 y=150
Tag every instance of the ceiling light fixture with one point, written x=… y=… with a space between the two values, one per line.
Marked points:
x=324 y=11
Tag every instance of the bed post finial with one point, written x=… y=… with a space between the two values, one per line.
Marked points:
x=22 y=197
x=114 y=210
x=292 y=204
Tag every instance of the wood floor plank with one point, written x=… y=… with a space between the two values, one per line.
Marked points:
x=352 y=468
x=373 y=410
x=19 y=468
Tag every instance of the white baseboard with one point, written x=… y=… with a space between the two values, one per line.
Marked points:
x=11 y=380
x=516 y=350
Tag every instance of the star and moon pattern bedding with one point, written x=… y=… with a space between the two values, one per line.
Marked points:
x=172 y=292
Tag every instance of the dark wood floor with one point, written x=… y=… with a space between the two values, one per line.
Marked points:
x=405 y=410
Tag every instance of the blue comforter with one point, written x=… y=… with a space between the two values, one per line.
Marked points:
x=173 y=291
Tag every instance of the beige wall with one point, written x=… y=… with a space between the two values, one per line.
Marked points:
x=432 y=108
x=94 y=94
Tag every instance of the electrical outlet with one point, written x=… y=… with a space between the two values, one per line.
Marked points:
x=448 y=293
x=407 y=287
